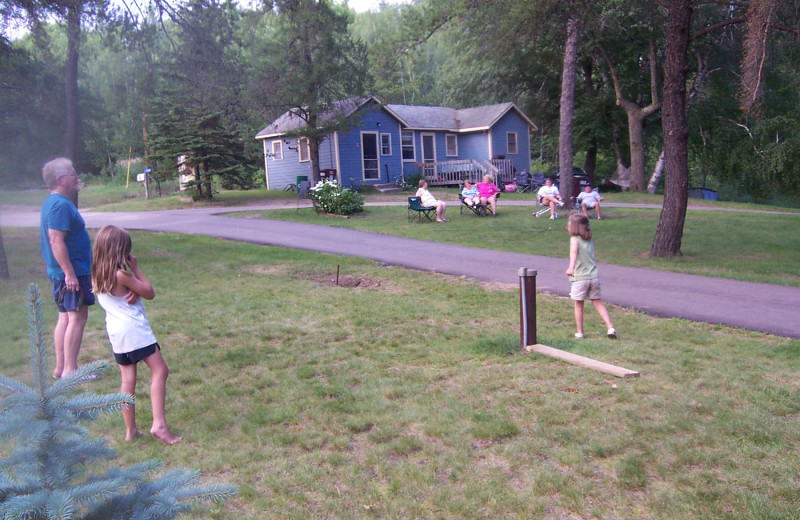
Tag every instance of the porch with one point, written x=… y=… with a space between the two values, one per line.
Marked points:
x=455 y=172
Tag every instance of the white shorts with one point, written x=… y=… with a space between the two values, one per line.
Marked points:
x=588 y=204
x=582 y=290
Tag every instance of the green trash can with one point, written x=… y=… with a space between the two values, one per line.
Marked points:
x=301 y=178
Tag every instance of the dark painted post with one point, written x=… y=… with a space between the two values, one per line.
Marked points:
x=527 y=306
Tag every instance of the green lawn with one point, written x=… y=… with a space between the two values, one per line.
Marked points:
x=407 y=396
x=758 y=247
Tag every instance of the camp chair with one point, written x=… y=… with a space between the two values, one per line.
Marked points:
x=477 y=209
x=537 y=180
x=418 y=212
x=524 y=184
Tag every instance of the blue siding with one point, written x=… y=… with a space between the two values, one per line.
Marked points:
x=370 y=118
x=512 y=122
x=350 y=158
x=474 y=145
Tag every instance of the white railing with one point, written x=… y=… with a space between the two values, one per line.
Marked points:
x=502 y=170
x=453 y=172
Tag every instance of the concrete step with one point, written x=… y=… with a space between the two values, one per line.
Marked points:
x=388 y=188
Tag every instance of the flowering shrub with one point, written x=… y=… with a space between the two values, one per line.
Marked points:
x=329 y=197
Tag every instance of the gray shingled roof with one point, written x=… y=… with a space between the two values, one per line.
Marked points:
x=290 y=121
x=413 y=117
x=456 y=120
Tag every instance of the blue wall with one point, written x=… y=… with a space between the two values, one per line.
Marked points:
x=512 y=122
x=380 y=122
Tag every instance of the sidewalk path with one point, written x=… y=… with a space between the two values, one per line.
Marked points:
x=748 y=305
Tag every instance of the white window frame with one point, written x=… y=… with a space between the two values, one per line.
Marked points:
x=386 y=145
x=303 y=146
x=404 y=147
x=508 y=143
x=447 y=150
x=277 y=151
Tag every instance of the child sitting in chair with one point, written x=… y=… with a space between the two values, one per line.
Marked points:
x=470 y=193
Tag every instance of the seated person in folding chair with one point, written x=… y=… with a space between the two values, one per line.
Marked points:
x=430 y=201
x=549 y=195
x=488 y=193
x=470 y=194
x=589 y=199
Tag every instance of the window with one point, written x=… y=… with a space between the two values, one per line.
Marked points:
x=407 y=138
x=511 y=142
x=277 y=150
x=451 y=145
x=303 y=149
x=386 y=144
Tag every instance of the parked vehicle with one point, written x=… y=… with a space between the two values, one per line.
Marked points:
x=580 y=179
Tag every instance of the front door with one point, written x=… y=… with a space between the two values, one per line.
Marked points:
x=429 y=155
x=369 y=156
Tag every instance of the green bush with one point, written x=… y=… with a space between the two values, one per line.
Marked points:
x=329 y=197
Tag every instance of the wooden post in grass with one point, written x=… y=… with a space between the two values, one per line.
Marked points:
x=527 y=306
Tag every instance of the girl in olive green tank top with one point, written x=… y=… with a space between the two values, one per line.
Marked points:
x=582 y=272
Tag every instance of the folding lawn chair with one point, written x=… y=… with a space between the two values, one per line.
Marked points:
x=418 y=212
x=523 y=179
x=477 y=209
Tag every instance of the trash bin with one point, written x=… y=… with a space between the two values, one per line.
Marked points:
x=301 y=178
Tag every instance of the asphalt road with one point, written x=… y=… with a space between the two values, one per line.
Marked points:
x=762 y=307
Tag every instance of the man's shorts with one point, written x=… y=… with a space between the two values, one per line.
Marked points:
x=68 y=301
x=131 y=358
x=585 y=290
x=588 y=204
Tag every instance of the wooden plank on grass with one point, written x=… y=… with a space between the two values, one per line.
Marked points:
x=575 y=359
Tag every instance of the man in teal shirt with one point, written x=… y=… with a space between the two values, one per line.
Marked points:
x=67 y=252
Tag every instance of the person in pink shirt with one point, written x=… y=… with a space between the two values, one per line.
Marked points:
x=487 y=191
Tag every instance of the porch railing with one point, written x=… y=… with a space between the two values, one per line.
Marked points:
x=454 y=172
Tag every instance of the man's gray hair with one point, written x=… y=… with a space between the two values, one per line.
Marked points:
x=54 y=169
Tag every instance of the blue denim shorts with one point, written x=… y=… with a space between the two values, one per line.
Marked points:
x=68 y=301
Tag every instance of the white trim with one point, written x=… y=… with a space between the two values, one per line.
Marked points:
x=300 y=145
x=413 y=145
x=279 y=152
x=422 y=136
x=338 y=161
x=446 y=147
x=516 y=143
x=380 y=142
x=266 y=164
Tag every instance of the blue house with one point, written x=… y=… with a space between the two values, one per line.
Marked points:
x=444 y=144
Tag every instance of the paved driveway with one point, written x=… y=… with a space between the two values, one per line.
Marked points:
x=762 y=307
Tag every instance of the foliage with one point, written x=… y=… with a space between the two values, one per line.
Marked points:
x=312 y=66
x=196 y=110
x=47 y=476
x=329 y=197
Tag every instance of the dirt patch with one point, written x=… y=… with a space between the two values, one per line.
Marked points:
x=342 y=280
x=498 y=286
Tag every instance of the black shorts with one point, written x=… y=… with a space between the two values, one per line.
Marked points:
x=131 y=358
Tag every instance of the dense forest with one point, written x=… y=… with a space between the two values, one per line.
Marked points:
x=102 y=81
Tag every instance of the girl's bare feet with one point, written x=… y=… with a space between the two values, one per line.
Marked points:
x=165 y=435
x=129 y=436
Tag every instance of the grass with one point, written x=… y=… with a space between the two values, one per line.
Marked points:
x=407 y=396
x=758 y=247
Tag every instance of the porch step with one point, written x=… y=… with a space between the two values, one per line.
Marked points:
x=388 y=188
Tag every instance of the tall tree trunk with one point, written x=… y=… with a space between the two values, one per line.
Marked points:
x=669 y=232
x=568 y=108
x=71 y=80
x=655 y=178
x=636 y=117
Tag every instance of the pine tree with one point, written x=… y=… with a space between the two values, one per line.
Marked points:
x=48 y=474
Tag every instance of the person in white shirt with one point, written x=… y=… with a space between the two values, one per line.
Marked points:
x=549 y=195
x=589 y=199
